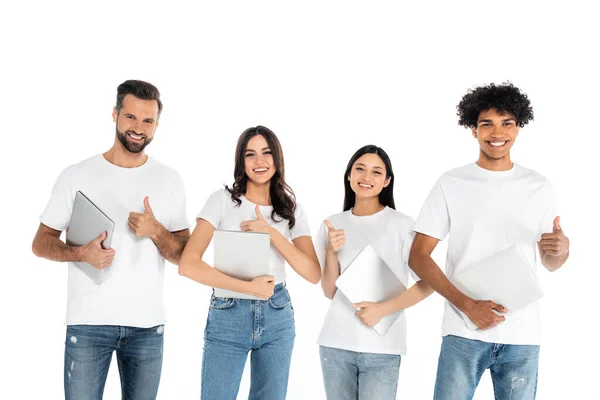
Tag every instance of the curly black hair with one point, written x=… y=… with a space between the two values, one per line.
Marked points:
x=505 y=98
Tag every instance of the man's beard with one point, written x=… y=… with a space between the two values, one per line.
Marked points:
x=129 y=145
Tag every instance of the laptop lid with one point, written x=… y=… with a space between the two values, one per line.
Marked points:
x=242 y=255
x=87 y=223
x=368 y=278
x=506 y=278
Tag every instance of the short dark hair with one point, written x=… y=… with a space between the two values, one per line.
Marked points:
x=503 y=98
x=141 y=90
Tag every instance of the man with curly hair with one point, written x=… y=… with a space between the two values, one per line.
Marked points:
x=486 y=207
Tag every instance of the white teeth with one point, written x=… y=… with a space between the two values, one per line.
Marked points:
x=138 y=137
x=260 y=170
x=365 y=186
x=497 y=144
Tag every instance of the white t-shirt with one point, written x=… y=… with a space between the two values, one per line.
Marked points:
x=486 y=212
x=132 y=294
x=224 y=214
x=390 y=234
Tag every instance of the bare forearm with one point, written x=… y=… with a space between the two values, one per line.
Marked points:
x=300 y=262
x=50 y=247
x=203 y=273
x=427 y=269
x=170 y=245
x=409 y=298
x=331 y=272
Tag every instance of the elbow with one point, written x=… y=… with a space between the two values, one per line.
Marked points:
x=183 y=266
x=315 y=277
x=36 y=249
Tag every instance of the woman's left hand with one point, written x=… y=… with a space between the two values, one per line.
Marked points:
x=257 y=225
x=369 y=313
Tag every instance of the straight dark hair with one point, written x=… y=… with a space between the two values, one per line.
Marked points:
x=140 y=89
x=281 y=194
x=386 y=197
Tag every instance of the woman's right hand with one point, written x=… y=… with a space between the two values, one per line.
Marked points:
x=336 y=238
x=262 y=287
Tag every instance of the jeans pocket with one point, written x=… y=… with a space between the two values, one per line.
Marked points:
x=221 y=303
x=280 y=299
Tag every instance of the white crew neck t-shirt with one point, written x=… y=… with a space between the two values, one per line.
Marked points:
x=390 y=234
x=224 y=214
x=485 y=212
x=132 y=294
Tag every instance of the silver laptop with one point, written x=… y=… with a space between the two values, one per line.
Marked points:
x=87 y=223
x=505 y=278
x=242 y=255
x=368 y=278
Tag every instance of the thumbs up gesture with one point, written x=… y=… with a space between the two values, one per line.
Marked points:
x=256 y=225
x=336 y=238
x=555 y=244
x=143 y=224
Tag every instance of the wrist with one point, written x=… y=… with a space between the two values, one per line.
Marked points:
x=157 y=232
x=464 y=303
x=79 y=253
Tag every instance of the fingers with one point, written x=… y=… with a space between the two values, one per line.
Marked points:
x=147 y=208
x=362 y=304
x=258 y=214
x=499 y=307
x=101 y=237
x=556 y=225
x=329 y=226
x=266 y=278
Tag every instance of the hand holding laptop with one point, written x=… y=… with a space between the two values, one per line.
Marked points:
x=94 y=254
x=263 y=286
x=484 y=313
x=370 y=313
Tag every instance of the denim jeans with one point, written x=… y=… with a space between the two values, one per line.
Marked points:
x=514 y=369
x=234 y=327
x=349 y=375
x=88 y=352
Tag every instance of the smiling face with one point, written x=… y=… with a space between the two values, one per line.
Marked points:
x=258 y=160
x=136 y=122
x=496 y=134
x=368 y=176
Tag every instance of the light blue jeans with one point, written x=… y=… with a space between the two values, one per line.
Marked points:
x=514 y=369
x=349 y=375
x=89 y=350
x=235 y=327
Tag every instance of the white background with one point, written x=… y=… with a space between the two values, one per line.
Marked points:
x=328 y=78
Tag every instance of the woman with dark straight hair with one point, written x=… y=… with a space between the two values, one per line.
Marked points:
x=358 y=362
x=258 y=201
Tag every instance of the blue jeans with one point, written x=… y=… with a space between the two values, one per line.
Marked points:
x=349 y=375
x=88 y=352
x=514 y=369
x=237 y=326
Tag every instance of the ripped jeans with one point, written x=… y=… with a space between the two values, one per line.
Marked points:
x=514 y=369
x=89 y=350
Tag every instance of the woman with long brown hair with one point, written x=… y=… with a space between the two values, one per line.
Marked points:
x=258 y=201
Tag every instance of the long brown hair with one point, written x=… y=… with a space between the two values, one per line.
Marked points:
x=281 y=194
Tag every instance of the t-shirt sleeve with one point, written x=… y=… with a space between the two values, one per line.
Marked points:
x=57 y=214
x=214 y=208
x=434 y=219
x=179 y=219
x=408 y=241
x=301 y=228
x=320 y=243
